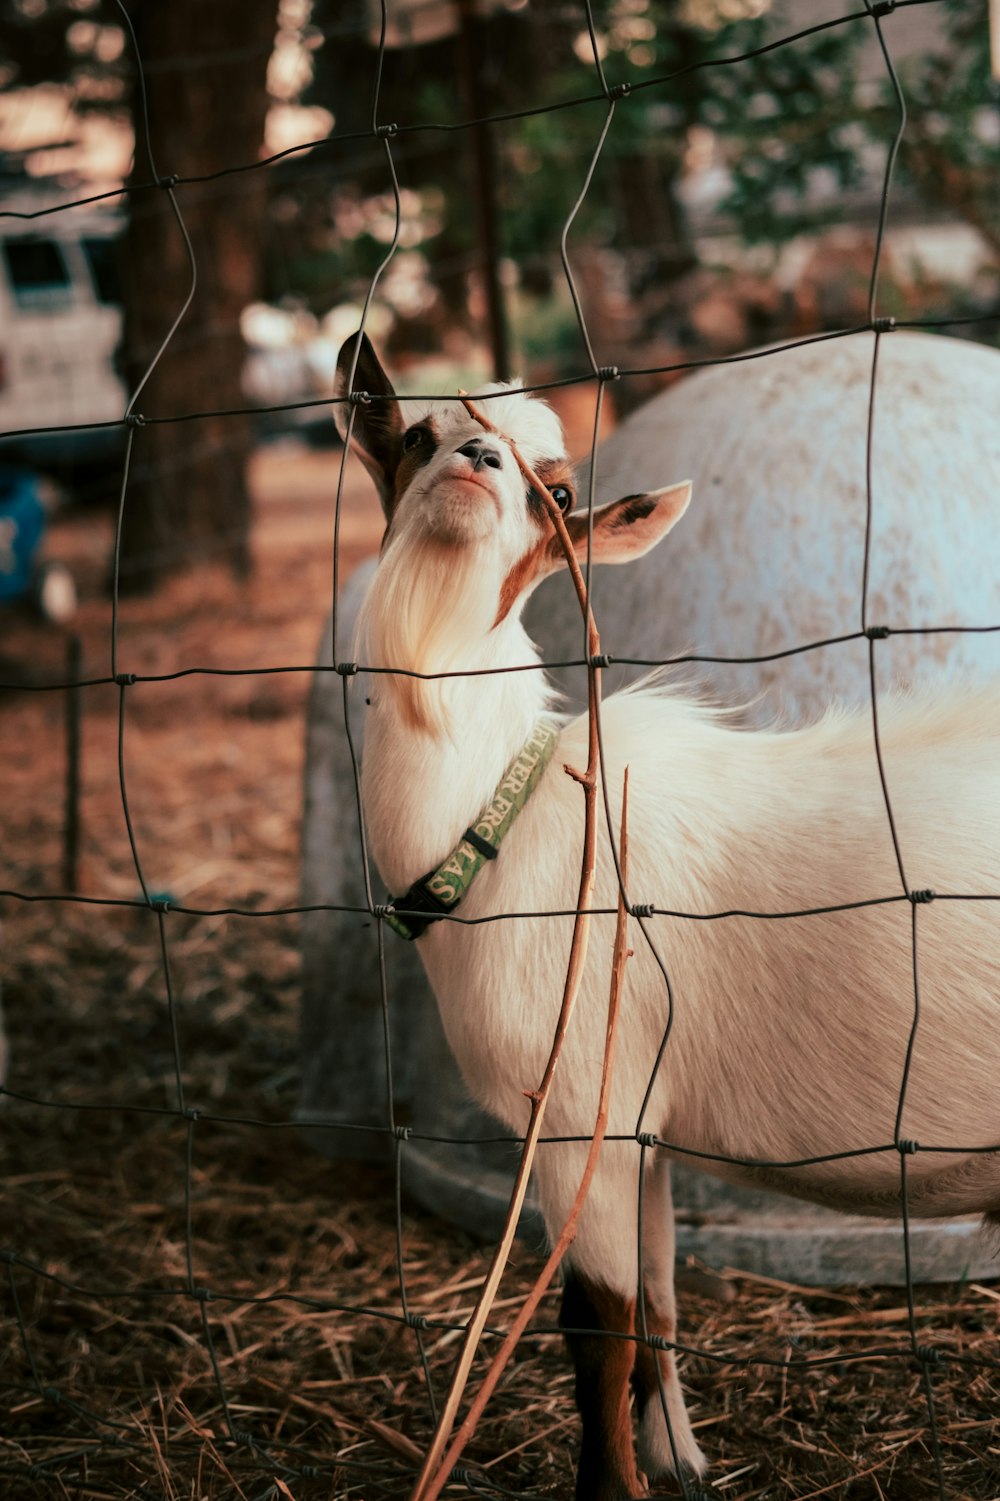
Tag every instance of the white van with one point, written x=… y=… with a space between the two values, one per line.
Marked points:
x=60 y=328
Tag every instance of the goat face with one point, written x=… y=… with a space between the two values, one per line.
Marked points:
x=439 y=475
x=449 y=486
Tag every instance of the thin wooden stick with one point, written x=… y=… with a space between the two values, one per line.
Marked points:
x=432 y=1476
x=620 y=955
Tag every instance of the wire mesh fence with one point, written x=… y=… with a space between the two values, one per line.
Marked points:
x=246 y=1437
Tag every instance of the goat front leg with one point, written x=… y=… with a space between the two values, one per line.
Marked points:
x=666 y=1440
x=603 y=1366
x=598 y=1308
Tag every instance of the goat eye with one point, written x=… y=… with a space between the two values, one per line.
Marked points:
x=563 y=498
x=412 y=439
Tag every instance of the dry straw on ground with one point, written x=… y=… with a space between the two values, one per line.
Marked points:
x=96 y=1197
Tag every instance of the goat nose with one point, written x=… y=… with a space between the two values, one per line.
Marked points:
x=479 y=454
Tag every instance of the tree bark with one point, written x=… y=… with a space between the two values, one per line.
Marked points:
x=205 y=70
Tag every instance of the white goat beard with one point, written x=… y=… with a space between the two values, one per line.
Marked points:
x=428 y=605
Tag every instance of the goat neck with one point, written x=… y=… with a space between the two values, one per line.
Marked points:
x=436 y=748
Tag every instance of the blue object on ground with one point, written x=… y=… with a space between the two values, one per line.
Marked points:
x=22 y=522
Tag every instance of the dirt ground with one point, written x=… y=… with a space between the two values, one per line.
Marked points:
x=197 y=1304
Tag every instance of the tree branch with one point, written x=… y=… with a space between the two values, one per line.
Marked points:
x=434 y=1473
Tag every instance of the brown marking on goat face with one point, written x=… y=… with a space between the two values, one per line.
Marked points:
x=407 y=463
x=546 y=554
x=534 y=563
x=607 y=1469
x=551 y=472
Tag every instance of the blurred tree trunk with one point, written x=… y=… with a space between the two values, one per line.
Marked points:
x=652 y=219
x=206 y=72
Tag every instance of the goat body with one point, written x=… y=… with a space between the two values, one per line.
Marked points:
x=789 y=1037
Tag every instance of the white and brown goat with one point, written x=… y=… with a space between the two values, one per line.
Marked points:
x=789 y=1037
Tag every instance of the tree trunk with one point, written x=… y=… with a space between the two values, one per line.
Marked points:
x=206 y=68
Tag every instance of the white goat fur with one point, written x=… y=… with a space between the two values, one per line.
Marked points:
x=789 y=1036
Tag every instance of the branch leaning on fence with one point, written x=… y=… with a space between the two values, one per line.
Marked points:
x=434 y=1473
x=430 y=1489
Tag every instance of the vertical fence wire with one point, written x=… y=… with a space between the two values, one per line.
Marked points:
x=355 y=1475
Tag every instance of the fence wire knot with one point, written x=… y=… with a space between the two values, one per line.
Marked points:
x=923 y=897
x=243 y=1437
x=416 y=1321
x=659 y=1342
x=52 y=1394
x=882 y=8
x=608 y=372
x=466 y=1477
x=402 y=1133
x=386 y=132
x=169 y=181
x=383 y=909
x=906 y=1147
x=878 y=632
x=346 y=669
x=883 y=325
x=927 y=1355
x=602 y=659
x=192 y=1114
x=620 y=91
x=160 y=903
x=135 y=419
x=646 y=1138
x=124 y=679
x=642 y=909
x=202 y=1294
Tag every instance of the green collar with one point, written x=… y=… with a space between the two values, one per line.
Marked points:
x=437 y=894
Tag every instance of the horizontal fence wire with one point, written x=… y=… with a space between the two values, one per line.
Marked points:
x=350 y=1475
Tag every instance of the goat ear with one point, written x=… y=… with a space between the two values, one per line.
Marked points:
x=378 y=424
x=621 y=531
x=627 y=528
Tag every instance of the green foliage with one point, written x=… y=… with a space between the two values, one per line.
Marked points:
x=789 y=121
x=800 y=126
x=527 y=61
x=798 y=132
